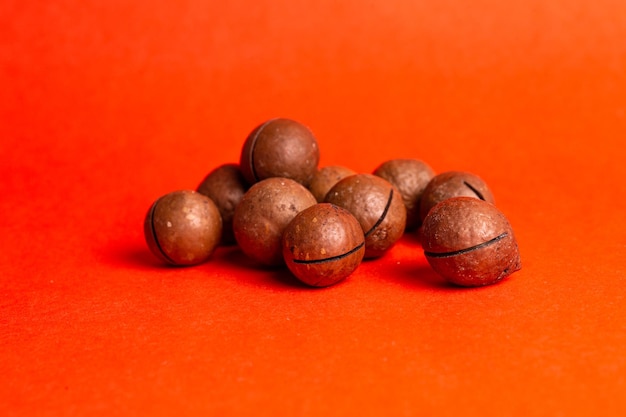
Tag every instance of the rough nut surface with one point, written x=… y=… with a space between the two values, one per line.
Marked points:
x=280 y=148
x=453 y=184
x=325 y=178
x=225 y=185
x=183 y=228
x=378 y=207
x=323 y=245
x=410 y=177
x=262 y=215
x=470 y=242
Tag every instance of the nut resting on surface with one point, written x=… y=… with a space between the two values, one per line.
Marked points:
x=469 y=242
x=280 y=148
x=378 y=207
x=281 y=210
x=323 y=245
x=262 y=215
x=183 y=228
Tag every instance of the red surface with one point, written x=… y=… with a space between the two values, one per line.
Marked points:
x=104 y=106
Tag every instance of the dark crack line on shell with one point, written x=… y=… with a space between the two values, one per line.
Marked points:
x=331 y=259
x=253 y=148
x=382 y=216
x=466 y=250
x=474 y=190
x=252 y=167
x=154 y=235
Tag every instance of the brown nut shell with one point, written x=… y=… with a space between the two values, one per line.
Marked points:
x=453 y=184
x=323 y=245
x=470 y=242
x=378 y=207
x=280 y=148
x=183 y=228
x=262 y=215
x=325 y=178
x=410 y=177
x=225 y=185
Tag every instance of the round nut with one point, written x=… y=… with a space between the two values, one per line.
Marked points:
x=280 y=148
x=470 y=242
x=323 y=245
x=262 y=215
x=183 y=228
x=378 y=207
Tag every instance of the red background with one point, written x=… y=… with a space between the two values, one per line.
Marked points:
x=105 y=106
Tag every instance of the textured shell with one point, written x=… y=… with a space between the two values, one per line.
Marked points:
x=183 y=228
x=470 y=242
x=262 y=215
x=323 y=245
x=280 y=148
x=410 y=177
x=453 y=184
x=225 y=185
x=378 y=207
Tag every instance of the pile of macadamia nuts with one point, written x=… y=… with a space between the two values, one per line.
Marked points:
x=281 y=209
